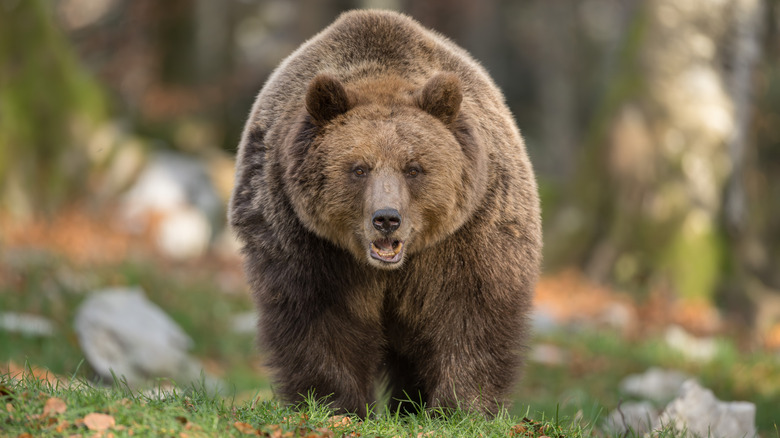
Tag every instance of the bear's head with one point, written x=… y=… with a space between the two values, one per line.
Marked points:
x=383 y=168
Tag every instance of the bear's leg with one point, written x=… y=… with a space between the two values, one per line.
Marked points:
x=331 y=354
x=406 y=392
x=473 y=384
x=473 y=364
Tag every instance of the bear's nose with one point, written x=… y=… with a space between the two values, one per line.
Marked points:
x=386 y=220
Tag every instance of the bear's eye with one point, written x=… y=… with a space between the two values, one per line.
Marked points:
x=359 y=171
x=412 y=171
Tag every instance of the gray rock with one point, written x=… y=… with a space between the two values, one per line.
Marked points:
x=655 y=384
x=618 y=315
x=171 y=179
x=26 y=324
x=120 y=330
x=542 y=321
x=245 y=323
x=184 y=234
x=697 y=411
x=636 y=417
x=548 y=354
x=177 y=189
x=692 y=347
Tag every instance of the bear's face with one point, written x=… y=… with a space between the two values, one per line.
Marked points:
x=380 y=177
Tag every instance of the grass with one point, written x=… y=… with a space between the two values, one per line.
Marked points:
x=195 y=413
x=570 y=399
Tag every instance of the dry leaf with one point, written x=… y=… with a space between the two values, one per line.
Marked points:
x=62 y=426
x=99 y=422
x=518 y=429
x=326 y=433
x=192 y=426
x=246 y=428
x=54 y=406
x=339 y=421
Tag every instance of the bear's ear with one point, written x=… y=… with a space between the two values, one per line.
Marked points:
x=326 y=98
x=441 y=97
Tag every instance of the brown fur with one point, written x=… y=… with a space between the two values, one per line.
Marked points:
x=376 y=114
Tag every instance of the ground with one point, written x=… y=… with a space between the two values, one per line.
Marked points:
x=597 y=336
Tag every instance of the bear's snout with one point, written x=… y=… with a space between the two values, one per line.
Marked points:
x=386 y=220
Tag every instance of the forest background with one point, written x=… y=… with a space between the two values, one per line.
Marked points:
x=653 y=126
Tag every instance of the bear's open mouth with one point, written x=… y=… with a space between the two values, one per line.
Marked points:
x=387 y=250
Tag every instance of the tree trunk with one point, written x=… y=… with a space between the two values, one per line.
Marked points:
x=48 y=111
x=644 y=211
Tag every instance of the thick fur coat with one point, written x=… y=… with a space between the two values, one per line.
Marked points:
x=390 y=220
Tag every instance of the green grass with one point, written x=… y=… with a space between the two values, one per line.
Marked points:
x=570 y=399
x=193 y=412
x=600 y=359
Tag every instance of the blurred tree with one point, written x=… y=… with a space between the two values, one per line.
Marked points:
x=659 y=170
x=49 y=108
x=752 y=209
x=186 y=71
x=645 y=208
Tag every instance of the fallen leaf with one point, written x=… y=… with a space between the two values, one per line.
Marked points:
x=192 y=426
x=325 y=433
x=246 y=428
x=54 y=406
x=9 y=407
x=62 y=426
x=518 y=429
x=17 y=372
x=99 y=422
x=24 y=435
x=339 y=421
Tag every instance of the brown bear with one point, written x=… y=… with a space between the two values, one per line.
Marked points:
x=390 y=221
